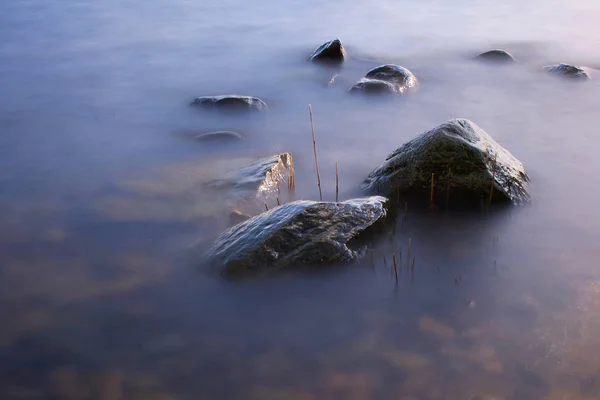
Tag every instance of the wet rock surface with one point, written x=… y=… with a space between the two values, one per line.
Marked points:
x=466 y=163
x=262 y=177
x=387 y=78
x=296 y=235
x=231 y=102
x=332 y=51
x=219 y=136
x=567 y=71
x=497 y=56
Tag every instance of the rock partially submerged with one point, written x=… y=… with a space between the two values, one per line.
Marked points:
x=372 y=86
x=295 y=235
x=262 y=177
x=332 y=51
x=231 y=102
x=387 y=78
x=497 y=56
x=466 y=163
x=567 y=71
x=219 y=136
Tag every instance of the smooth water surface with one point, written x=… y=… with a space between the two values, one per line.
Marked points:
x=103 y=221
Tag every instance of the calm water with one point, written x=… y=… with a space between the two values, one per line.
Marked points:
x=102 y=220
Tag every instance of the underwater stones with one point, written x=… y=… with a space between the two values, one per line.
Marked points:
x=466 y=163
x=296 y=235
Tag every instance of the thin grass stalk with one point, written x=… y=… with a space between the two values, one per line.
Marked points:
x=278 y=202
x=266 y=206
x=493 y=180
x=312 y=127
x=337 y=182
x=395 y=268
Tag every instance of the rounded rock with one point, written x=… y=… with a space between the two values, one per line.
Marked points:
x=373 y=86
x=498 y=56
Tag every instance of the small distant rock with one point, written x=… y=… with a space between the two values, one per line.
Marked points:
x=219 y=136
x=466 y=163
x=387 y=79
x=332 y=51
x=567 y=71
x=299 y=234
x=232 y=102
x=497 y=56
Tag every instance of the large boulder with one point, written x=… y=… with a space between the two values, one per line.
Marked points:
x=295 y=235
x=231 y=102
x=387 y=78
x=567 y=71
x=497 y=56
x=332 y=51
x=466 y=163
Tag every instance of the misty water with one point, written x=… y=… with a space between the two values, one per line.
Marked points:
x=103 y=222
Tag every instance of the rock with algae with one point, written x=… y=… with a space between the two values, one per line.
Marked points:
x=466 y=163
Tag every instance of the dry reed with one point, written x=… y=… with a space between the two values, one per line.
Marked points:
x=312 y=127
x=278 y=202
x=493 y=180
x=266 y=206
x=395 y=268
x=337 y=182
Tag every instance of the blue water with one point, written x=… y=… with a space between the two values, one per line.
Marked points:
x=102 y=295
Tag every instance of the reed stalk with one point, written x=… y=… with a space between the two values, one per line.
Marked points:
x=312 y=127
x=337 y=182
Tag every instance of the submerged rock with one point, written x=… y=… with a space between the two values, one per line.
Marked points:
x=497 y=56
x=332 y=51
x=385 y=78
x=219 y=136
x=231 y=102
x=366 y=85
x=297 y=234
x=466 y=163
x=567 y=71
x=263 y=177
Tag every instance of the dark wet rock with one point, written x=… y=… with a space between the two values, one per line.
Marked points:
x=373 y=86
x=262 y=177
x=567 y=71
x=295 y=235
x=231 y=102
x=237 y=217
x=219 y=136
x=332 y=51
x=387 y=79
x=465 y=161
x=497 y=56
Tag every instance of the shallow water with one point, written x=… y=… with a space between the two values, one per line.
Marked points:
x=102 y=220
